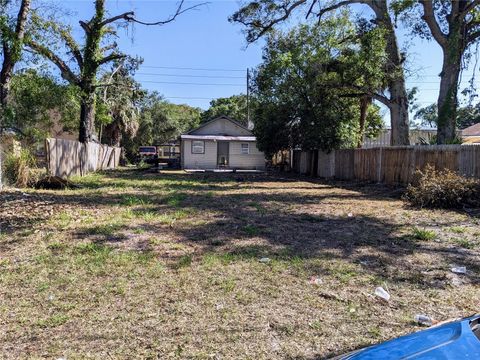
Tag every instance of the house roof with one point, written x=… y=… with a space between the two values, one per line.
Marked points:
x=471 y=140
x=216 y=119
x=218 y=137
x=473 y=130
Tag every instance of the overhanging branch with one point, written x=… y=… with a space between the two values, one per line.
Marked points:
x=429 y=17
x=178 y=12
x=65 y=70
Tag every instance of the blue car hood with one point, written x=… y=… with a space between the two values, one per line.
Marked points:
x=449 y=341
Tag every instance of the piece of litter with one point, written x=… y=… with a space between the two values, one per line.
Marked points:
x=264 y=260
x=316 y=280
x=423 y=319
x=382 y=293
x=50 y=298
x=350 y=215
x=459 y=269
x=456 y=281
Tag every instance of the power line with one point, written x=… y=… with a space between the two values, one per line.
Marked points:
x=188 y=68
x=192 y=76
x=187 y=83
x=189 y=98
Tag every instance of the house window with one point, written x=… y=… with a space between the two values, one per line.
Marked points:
x=245 y=149
x=198 y=147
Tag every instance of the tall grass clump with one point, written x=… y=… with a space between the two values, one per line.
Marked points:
x=18 y=168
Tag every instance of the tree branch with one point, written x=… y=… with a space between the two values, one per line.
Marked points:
x=127 y=16
x=172 y=17
x=339 y=5
x=264 y=28
x=111 y=57
x=429 y=17
x=469 y=8
x=66 y=72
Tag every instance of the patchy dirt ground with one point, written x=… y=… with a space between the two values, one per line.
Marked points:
x=138 y=265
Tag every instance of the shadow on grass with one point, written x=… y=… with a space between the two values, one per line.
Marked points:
x=248 y=218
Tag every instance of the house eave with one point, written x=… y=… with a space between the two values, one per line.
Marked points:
x=218 y=137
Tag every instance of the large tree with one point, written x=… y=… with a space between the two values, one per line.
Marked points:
x=304 y=99
x=119 y=103
x=262 y=16
x=88 y=58
x=12 y=33
x=234 y=107
x=455 y=26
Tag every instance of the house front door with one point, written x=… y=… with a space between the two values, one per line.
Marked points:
x=223 y=148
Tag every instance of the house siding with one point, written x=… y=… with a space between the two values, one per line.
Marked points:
x=208 y=160
x=222 y=127
x=254 y=160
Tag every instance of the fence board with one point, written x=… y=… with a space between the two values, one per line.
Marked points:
x=390 y=165
x=344 y=164
x=66 y=158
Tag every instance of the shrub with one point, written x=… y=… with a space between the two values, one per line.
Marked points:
x=442 y=189
x=18 y=168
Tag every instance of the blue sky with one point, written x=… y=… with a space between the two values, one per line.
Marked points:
x=204 y=39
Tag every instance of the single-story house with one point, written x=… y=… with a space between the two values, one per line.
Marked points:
x=471 y=135
x=221 y=143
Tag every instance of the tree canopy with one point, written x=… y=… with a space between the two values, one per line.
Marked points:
x=234 y=107
x=306 y=92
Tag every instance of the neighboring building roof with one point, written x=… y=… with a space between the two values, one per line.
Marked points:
x=218 y=137
x=473 y=130
x=471 y=140
x=223 y=117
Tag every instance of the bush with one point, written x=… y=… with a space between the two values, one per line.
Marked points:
x=18 y=168
x=442 y=189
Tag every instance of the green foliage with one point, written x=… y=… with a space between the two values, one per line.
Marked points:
x=423 y=234
x=234 y=107
x=118 y=104
x=304 y=87
x=161 y=121
x=466 y=116
x=17 y=168
x=442 y=189
x=37 y=100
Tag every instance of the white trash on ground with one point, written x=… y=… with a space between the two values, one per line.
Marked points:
x=264 y=260
x=316 y=280
x=423 y=319
x=382 y=293
x=459 y=269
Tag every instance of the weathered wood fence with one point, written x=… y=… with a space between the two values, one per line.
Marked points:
x=390 y=165
x=67 y=157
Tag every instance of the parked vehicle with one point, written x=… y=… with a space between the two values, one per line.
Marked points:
x=458 y=339
x=147 y=154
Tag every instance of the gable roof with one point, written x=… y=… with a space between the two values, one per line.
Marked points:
x=217 y=119
x=473 y=130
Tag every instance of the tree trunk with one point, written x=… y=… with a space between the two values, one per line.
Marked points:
x=447 y=98
x=396 y=86
x=87 y=118
x=399 y=115
x=364 y=104
x=112 y=134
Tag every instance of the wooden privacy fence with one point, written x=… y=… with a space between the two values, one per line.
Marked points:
x=390 y=165
x=68 y=157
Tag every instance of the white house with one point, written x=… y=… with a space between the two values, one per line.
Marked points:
x=221 y=143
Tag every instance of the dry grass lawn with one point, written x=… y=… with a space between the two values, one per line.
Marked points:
x=145 y=265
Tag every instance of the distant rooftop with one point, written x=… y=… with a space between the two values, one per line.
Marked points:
x=473 y=130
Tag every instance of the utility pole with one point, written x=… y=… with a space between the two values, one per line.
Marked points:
x=248 y=98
